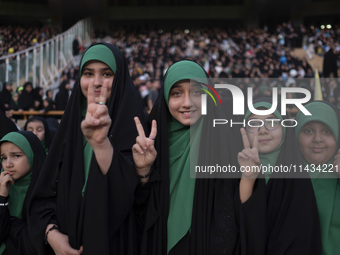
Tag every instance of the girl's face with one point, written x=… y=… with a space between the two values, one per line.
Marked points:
x=37 y=127
x=97 y=72
x=29 y=88
x=14 y=160
x=185 y=102
x=317 y=143
x=268 y=138
x=15 y=97
x=50 y=94
x=9 y=87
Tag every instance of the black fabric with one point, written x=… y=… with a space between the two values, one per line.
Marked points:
x=26 y=99
x=13 y=106
x=53 y=125
x=214 y=228
x=330 y=64
x=103 y=221
x=281 y=216
x=50 y=101
x=7 y=125
x=62 y=96
x=50 y=105
x=14 y=231
x=38 y=104
x=6 y=96
x=75 y=47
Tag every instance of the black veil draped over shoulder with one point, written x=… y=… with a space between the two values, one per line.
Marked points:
x=103 y=220
x=214 y=227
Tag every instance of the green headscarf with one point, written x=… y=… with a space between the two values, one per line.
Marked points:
x=17 y=191
x=320 y=112
x=327 y=190
x=271 y=157
x=182 y=187
x=102 y=53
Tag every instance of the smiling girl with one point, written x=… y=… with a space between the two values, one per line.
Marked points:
x=184 y=215
x=83 y=202
x=318 y=137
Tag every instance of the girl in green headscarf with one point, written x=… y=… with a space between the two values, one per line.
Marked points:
x=184 y=215
x=318 y=136
x=278 y=209
x=22 y=157
x=83 y=200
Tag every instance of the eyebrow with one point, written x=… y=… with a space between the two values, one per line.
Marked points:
x=101 y=69
x=196 y=85
x=176 y=86
x=12 y=152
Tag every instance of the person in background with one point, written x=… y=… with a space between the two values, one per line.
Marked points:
x=26 y=98
x=7 y=125
x=62 y=97
x=38 y=98
x=38 y=126
x=153 y=94
x=6 y=95
x=14 y=105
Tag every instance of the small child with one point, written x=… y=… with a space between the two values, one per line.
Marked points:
x=22 y=156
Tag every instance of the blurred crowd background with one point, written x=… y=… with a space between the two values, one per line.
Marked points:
x=247 y=40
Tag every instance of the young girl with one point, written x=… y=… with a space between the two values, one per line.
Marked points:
x=318 y=137
x=22 y=157
x=278 y=213
x=184 y=215
x=39 y=127
x=83 y=200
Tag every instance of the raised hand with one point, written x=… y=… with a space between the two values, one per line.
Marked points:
x=144 y=152
x=97 y=122
x=248 y=158
x=5 y=181
x=96 y=126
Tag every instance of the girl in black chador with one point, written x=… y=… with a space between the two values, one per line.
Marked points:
x=84 y=197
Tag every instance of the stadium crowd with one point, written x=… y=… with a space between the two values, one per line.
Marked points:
x=224 y=53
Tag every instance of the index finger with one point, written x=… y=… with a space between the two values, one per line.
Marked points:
x=153 y=132
x=139 y=127
x=90 y=93
x=245 y=139
x=103 y=92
